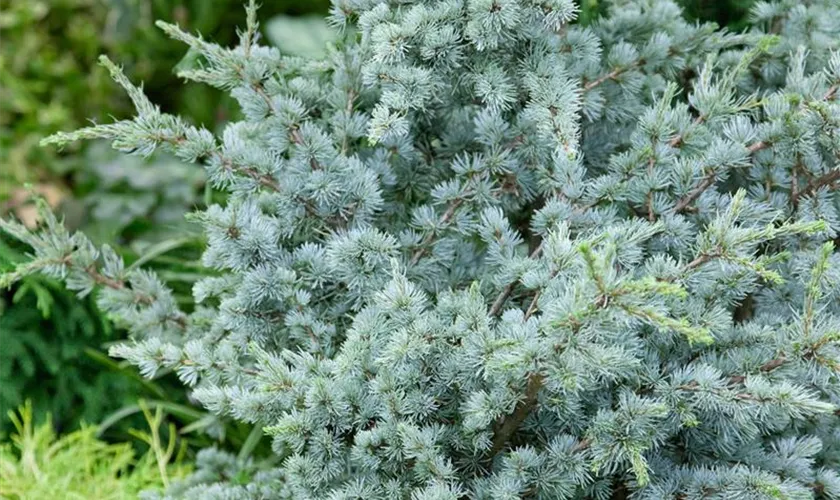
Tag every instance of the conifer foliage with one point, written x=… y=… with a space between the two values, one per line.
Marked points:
x=481 y=251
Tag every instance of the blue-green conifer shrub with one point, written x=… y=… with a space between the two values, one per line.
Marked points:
x=479 y=251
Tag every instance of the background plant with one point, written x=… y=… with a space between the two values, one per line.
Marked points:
x=38 y=464
x=50 y=81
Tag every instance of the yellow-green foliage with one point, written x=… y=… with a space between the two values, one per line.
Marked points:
x=37 y=464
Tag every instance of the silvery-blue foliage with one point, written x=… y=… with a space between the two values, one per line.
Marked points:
x=480 y=251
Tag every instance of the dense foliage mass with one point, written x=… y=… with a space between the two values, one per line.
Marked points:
x=479 y=251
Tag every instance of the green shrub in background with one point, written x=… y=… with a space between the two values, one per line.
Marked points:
x=46 y=82
x=44 y=334
x=52 y=351
x=729 y=13
x=134 y=202
x=49 y=82
x=53 y=341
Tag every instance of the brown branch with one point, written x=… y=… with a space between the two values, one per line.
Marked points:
x=612 y=75
x=709 y=180
x=450 y=212
x=351 y=100
x=499 y=303
x=832 y=91
x=296 y=137
x=295 y=133
x=502 y=297
x=496 y=308
x=298 y=140
x=228 y=164
x=757 y=146
x=765 y=368
x=693 y=386
x=649 y=203
x=695 y=193
x=649 y=200
x=819 y=182
x=217 y=365
x=115 y=284
x=739 y=379
x=310 y=332
x=263 y=179
x=532 y=307
x=699 y=261
x=112 y=283
x=583 y=444
x=794 y=186
x=508 y=425
x=260 y=89
x=677 y=140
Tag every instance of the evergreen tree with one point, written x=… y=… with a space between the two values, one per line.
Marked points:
x=479 y=251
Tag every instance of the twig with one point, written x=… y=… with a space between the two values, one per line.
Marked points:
x=140 y=298
x=499 y=303
x=765 y=368
x=502 y=297
x=819 y=182
x=649 y=201
x=699 y=261
x=709 y=180
x=739 y=379
x=532 y=307
x=678 y=139
x=695 y=193
x=295 y=133
x=263 y=179
x=228 y=164
x=757 y=146
x=103 y=280
x=509 y=424
x=217 y=365
x=260 y=89
x=612 y=75
x=351 y=100
x=450 y=212
x=832 y=91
